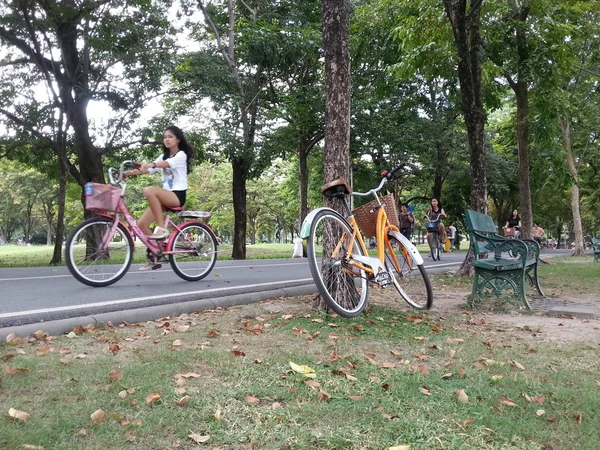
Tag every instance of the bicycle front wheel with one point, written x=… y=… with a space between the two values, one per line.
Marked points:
x=95 y=255
x=410 y=280
x=343 y=287
x=192 y=251
x=434 y=246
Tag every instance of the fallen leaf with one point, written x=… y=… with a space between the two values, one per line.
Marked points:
x=40 y=335
x=356 y=397
x=351 y=377
x=287 y=317
x=304 y=370
x=425 y=390
x=527 y=398
x=251 y=399
x=423 y=370
x=13 y=339
x=43 y=350
x=98 y=417
x=152 y=397
x=517 y=364
x=539 y=399
x=579 y=418
x=540 y=412
x=129 y=436
x=504 y=400
x=177 y=343
x=468 y=422
x=497 y=377
x=189 y=375
x=455 y=341
x=419 y=338
x=371 y=358
x=122 y=394
x=19 y=415
x=115 y=375
x=181 y=328
x=400 y=447
x=237 y=352
x=78 y=329
x=324 y=395
x=31 y=447
x=461 y=395
x=199 y=439
x=447 y=375
x=183 y=400
x=312 y=383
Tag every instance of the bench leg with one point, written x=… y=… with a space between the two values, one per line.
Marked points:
x=533 y=279
x=496 y=282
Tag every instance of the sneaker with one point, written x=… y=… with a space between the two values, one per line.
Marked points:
x=159 y=233
x=149 y=266
x=162 y=259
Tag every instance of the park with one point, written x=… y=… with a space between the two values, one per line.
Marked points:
x=477 y=323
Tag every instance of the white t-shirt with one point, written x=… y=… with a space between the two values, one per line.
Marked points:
x=174 y=178
x=452 y=232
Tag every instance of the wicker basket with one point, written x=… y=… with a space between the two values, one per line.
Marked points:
x=366 y=215
x=102 y=197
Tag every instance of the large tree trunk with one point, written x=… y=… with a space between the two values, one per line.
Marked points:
x=337 y=100
x=467 y=38
x=565 y=126
x=303 y=178
x=337 y=89
x=62 y=195
x=239 y=209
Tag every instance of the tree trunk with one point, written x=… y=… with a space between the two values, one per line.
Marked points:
x=335 y=19
x=239 y=209
x=468 y=42
x=62 y=195
x=521 y=92
x=565 y=126
x=303 y=178
x=337 y=89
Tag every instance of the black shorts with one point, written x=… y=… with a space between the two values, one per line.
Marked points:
x=181 y=195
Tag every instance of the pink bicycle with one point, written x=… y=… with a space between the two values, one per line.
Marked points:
x=100 y=250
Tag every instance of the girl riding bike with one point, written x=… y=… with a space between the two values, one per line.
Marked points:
x=434 y=214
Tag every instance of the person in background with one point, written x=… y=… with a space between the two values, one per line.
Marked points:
x=435 y=213
x=513 y=223
x=538 y=233
x=406 y=220
x=452 y=235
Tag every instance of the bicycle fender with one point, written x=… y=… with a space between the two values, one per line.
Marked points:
x=305 y=230
x=131 y=234
x=408 y=245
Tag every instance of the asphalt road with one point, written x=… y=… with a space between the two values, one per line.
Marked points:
x=30 y=296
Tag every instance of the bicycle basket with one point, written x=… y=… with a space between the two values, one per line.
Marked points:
x=432 y=227
x=366 y=215
x=102 y=197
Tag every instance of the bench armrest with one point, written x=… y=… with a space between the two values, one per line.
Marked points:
x=497 y=245
x=533 y=249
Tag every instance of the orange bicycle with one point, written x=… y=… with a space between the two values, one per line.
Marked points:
x=338 y=258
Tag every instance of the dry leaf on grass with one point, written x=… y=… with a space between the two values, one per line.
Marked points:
x=356 y=397
x=183 y=400
x=304 y=370
x=468 y=421
x=351 y=377
x=177 y=343
x=152 y=397
x=251 y=399
x=31 y=447
x=323 y=395
x=13 y=339
x=19 y=415
x=237 y=352
x=425 y=390
x=504 y=400
x=400 y=447
x=540 y=412
x=423 y=370
x=98 y=417
x=312 y=383
x=115 y=375
x=43 y=350
x=198 y=438
x=461 y=395
x=517 y=364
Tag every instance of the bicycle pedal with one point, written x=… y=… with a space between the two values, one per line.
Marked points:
x=157 y=266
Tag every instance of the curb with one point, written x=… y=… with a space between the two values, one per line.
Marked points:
x=144 y=314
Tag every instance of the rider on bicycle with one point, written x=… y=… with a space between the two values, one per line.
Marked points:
x=435 y=213
x=174 y=165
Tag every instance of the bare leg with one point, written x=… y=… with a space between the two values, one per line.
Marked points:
x=145 y=221
x=157 y=197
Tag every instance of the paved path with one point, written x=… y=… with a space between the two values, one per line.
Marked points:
x=50 y=298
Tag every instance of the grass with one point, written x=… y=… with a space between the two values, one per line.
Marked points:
x=372 y=394
x=40 y=255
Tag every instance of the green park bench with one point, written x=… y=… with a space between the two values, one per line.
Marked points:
x=501 y=263
x=596 y=248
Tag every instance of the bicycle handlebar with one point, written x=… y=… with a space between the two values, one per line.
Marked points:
x=119 y=172
x=387 y=176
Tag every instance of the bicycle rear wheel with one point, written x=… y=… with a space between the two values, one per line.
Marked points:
x=94 y=257
x=343 y=287
x=194 y=251
x=410 y=280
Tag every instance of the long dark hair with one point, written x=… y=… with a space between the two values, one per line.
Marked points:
x=183 y=145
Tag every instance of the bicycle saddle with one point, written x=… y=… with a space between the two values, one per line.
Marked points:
x=336 y=188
